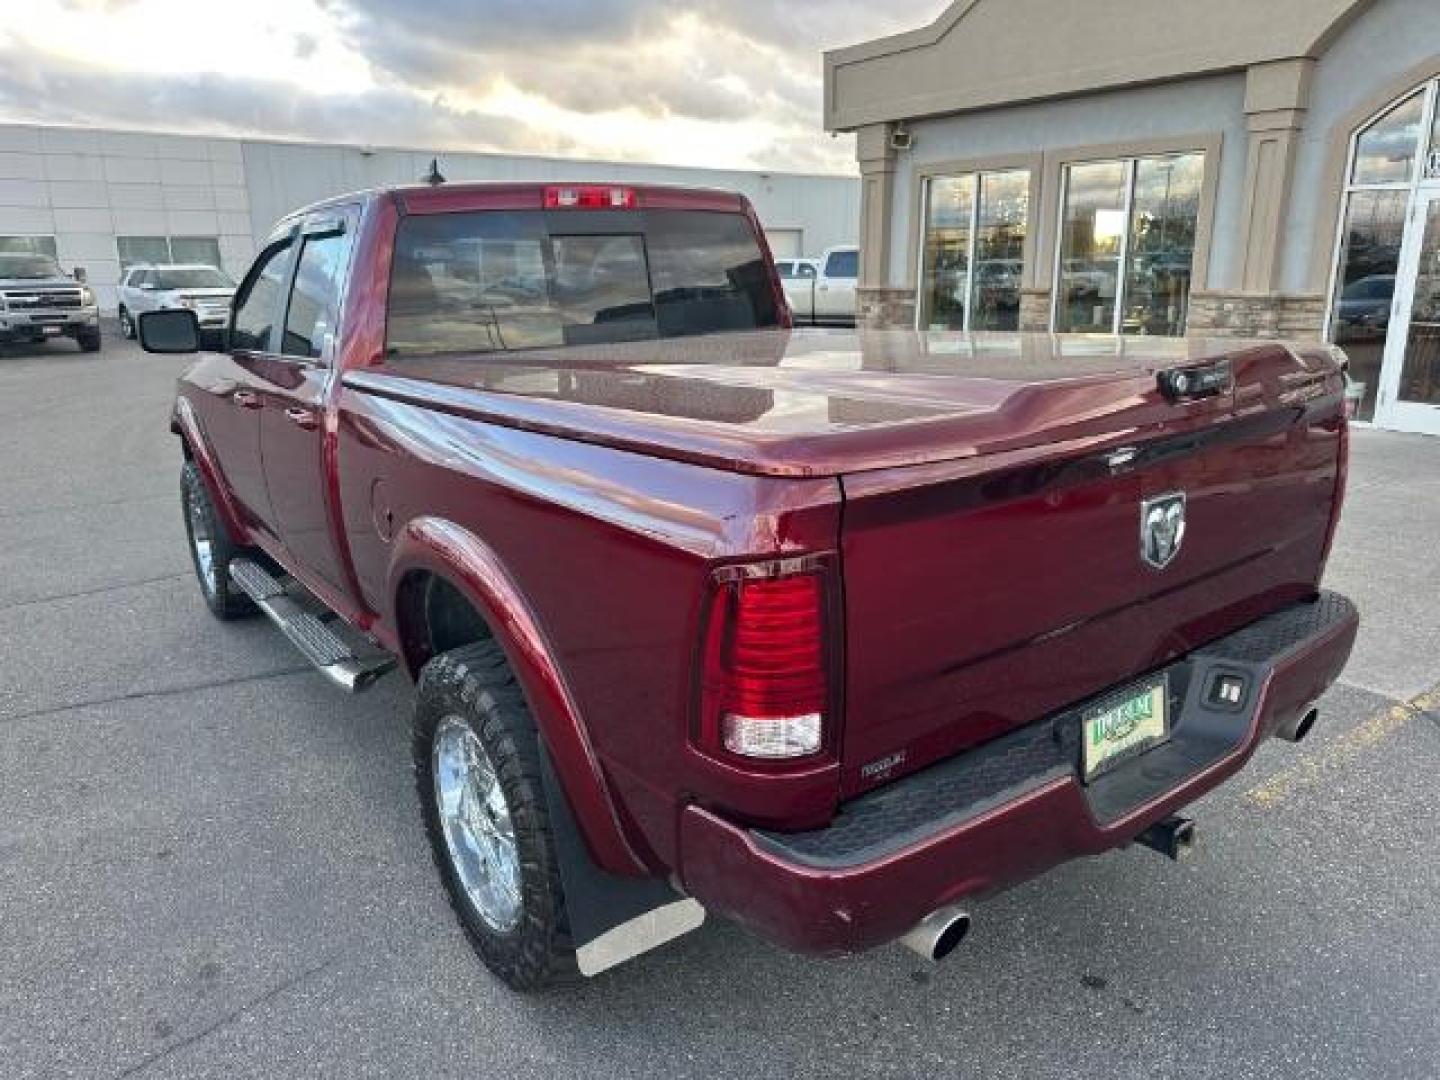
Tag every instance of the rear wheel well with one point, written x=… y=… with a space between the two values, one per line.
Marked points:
x=434 y=617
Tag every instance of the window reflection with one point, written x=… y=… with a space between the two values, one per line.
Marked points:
x=974 y=255
x=1385 y=152
x=1000 y=251
x=1420 y=375
x=1091 y=237
x=946 y=289
x=1128 y=245
x=1162 y=244
x=1365 y=288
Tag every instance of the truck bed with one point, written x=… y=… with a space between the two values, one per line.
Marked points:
x=824 y=402
x=993 y=489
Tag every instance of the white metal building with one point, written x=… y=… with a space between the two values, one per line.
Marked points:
x=104 y=199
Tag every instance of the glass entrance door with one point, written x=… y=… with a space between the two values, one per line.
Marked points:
x=1410 y=384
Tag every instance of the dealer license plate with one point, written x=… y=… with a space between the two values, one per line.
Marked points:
x=1124 y=724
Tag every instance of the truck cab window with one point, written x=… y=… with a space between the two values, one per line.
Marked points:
x=315 y=299
x=501 y=281
x=709 y=274
x=257 y=306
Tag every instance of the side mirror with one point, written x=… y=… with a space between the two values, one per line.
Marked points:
x=170 y=331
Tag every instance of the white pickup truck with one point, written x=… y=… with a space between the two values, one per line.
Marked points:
x=822 y=291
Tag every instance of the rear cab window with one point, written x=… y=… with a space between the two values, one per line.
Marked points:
x=504 y=281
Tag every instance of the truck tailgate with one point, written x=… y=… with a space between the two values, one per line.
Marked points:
x=984 y=593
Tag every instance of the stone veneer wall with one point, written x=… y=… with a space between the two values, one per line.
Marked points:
x=1212 y=314
x=885 y=309
x=890 y=309
x=1254 y=315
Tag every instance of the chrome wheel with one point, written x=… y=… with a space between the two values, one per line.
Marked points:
x=202 y=540
x=475 y=820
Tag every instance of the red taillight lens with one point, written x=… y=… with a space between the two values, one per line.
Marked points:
x=766 y=676
x=591 y=197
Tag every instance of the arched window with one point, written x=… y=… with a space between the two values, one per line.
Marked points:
x=1390 y=157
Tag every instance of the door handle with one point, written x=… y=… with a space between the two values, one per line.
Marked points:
x=302 y=418
x=246 y=399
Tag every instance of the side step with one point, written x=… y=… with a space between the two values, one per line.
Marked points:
x=316 y=641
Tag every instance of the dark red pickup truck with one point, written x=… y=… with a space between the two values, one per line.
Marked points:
x=823 y=632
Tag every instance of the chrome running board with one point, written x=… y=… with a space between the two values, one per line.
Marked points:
x=316 y=641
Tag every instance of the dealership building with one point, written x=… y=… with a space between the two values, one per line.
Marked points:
x=1235 y=168
x=103 y=200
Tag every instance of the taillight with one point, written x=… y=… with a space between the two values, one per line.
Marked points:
x=590 y=197
x=765 y=682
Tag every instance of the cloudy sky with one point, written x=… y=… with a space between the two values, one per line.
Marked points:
x=732 y=83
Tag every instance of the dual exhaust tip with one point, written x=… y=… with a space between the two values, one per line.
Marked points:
x=940 y=933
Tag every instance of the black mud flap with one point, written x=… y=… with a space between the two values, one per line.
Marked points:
x=612 y=918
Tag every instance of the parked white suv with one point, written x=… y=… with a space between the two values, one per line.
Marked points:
x=204 y=289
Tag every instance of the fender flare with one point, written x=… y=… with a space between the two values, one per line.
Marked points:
x=185 y=424
x=472 y=567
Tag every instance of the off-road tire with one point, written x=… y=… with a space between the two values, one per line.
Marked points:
x=224 y=600
x=88 y=340
x=476 y=685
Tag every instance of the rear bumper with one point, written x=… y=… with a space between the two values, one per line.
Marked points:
x=1010 y=810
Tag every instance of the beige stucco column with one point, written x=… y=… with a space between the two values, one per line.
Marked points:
x=878 y=302
x=1277 y=96
x=1277 y=99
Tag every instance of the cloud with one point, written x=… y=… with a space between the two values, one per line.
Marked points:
x=49 y=90
x=724 y=83
x=707 y=59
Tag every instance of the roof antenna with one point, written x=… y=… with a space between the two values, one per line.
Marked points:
x=434 y=178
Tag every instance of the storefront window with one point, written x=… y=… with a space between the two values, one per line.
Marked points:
x=1385 y=152
x=1091 y=238
x=1162 y=244
x=1432 y=159
x=974 y=251
x=1365 y=290
x=1381 y=186
x=1127 y=245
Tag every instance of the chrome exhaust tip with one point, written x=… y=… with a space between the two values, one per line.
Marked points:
x=938 y=934
x=1295 y=729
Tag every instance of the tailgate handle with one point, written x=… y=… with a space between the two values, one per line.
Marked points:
x=1194 y=383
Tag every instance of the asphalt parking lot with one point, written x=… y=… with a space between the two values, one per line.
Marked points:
x=211 y=864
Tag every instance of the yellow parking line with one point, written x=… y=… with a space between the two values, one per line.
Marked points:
x=1335 y=755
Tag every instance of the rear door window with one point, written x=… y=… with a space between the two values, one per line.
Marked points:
x=502 y=281
x=257 y=305
x=314 y=307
